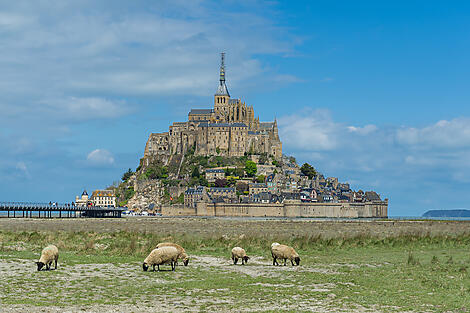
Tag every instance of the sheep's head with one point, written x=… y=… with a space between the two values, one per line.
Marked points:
x=297 y=260
x=145 y=267
x=40 y=265
x=186 y=261
x=246 y=258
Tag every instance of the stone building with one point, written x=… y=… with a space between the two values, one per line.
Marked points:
x=214 y=173
x=82 y=200
x=230 y=128
x=103 y=198
x=256 y=188
x=194 y=195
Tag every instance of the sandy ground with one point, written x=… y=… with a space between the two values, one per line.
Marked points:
x=238 y=226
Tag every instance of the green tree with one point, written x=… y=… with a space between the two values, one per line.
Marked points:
x=239 y=172
x=203 y=181
x=127 y=175
x=217 y=150
x=260 y=179
x=250 y=168
x=195 y=172
x=180 y=198
x=157 y=172
x=308 y=170
x=242 y=187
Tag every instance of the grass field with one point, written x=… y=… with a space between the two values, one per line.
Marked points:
x=355 y=266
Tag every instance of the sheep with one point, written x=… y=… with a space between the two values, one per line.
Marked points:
x=160 y=256
x=239 y=253
x=48 y=254
x=284 y=252
x=182 y=254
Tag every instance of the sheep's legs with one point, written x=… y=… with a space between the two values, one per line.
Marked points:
x=285 y=262
x=292 y=262
x=235 y=261
x=173 y=266
x=55 y=267
x=154 y=268
x=274 y=261
x=243 y=261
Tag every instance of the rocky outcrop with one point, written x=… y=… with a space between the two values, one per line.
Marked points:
x=147 y=192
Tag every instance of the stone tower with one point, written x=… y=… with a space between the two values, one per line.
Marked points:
x=221 y=97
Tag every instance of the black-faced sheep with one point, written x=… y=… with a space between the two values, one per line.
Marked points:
x=48 y=255
x=239 y=253
x=182 y=254
x=284 y=252
x=160 y=256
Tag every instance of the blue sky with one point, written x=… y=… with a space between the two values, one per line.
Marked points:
x=373 y=92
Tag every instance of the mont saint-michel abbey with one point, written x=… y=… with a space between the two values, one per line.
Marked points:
x=228 y=129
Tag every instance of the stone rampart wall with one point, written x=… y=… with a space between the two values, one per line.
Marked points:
x=288 y=209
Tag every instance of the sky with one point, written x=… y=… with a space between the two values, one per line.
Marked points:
x=375 y=93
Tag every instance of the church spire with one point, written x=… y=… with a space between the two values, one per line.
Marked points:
x=222 y=67
x=222 y=90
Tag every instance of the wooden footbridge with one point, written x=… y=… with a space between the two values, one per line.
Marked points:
x=52 y=210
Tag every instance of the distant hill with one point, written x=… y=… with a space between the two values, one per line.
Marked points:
x=447 y=213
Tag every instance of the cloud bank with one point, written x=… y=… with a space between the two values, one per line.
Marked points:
x=410 y=165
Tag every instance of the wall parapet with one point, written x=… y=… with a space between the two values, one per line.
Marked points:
x=376 y=209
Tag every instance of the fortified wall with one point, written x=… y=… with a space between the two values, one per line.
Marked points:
x=376 y=209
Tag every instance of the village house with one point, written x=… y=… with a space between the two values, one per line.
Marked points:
x=82 y=200
x=256 y=188
x=104 y=198
x=194 y=195
x=213 y=174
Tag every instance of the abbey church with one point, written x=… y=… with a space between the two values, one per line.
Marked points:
x=230 y=128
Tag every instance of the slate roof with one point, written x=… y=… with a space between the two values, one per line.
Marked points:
x=372 y=196
x=222 y=125
x=200 y=111
x=214 y=171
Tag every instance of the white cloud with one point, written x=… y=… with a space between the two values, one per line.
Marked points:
x=100 y=157
x=310 y=130
x=74 y=108
x=436 y=153
x=443 y=134
x=169 y=47
x=362 y=130
x=23 y=169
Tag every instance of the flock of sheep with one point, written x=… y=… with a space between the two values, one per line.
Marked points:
x=169 y=253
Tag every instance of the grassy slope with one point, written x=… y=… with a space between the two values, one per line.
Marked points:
x=105 y=268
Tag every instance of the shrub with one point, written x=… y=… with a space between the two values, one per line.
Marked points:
x=127 y=175
x=250 y=168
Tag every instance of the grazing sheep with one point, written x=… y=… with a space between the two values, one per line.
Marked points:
x=160 y=256
x=49 y=254
x=284 y=252
x=239 y=253
x=182 y=254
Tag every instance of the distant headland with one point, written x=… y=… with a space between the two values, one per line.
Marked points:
x=447 y=213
